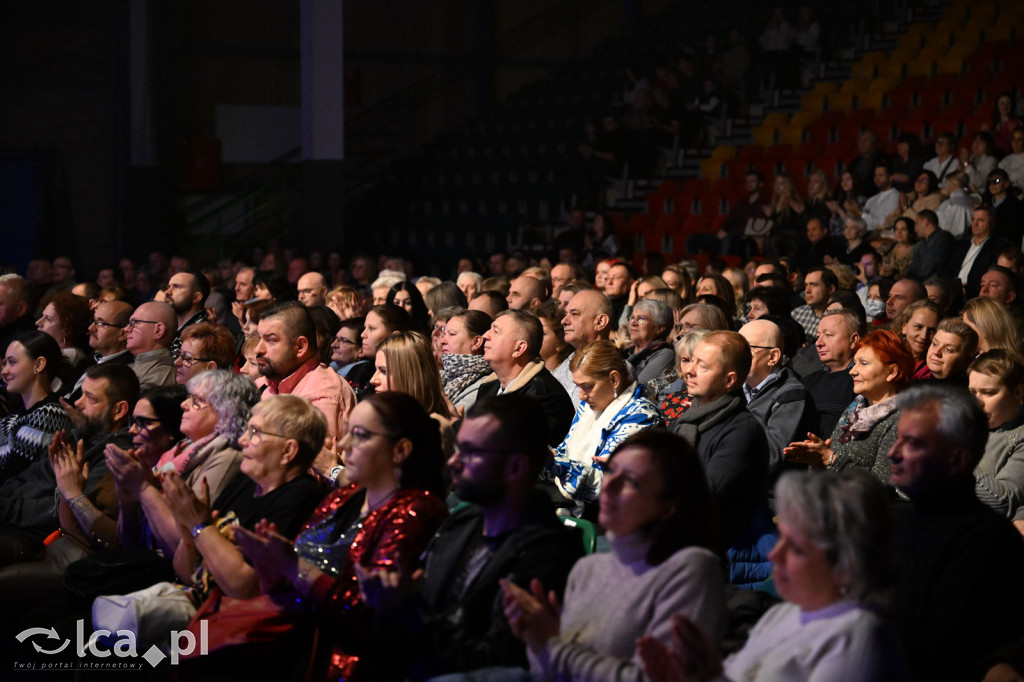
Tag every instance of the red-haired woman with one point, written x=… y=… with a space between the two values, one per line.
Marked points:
x=882 y=367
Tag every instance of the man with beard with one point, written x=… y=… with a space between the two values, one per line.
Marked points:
x=186 y=292
x=28 y=512
x=289 y=360
x=509 y=530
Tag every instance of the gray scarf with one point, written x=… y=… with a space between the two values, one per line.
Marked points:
x=701 y=417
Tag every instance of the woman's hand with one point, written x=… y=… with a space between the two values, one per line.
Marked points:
x=130 y=475
x=693 y=659
x=273 y=556
x=69 y=466
x=534 y=617
x=632 y=293
x=189 y=509
x=813 y=452
x=385 y=589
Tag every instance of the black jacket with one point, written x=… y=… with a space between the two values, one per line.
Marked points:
x=733 y=448
x=540 y=547
x=545 y=389
x=987 y=257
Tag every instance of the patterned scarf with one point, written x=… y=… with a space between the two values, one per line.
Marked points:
x=458 y=372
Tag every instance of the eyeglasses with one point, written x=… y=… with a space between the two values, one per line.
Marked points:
x=255 y=435
x=763 y=347
x=639 y=319
x=133 y=323
x=101 y=323
x=145 y=424
x=360 y=435
x=194 y=402
x=683 y=327
x=995 y=181
x=345 y=342
x=186 y=359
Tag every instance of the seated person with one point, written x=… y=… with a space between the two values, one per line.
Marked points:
x=996 y=379
x=840 y=525
x=662 y=563
x=613 y=406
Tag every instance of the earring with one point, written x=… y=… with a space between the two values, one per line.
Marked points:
x=615 y=392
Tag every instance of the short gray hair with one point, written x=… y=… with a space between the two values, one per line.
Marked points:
x=961 y=421
x=852 y=321
x=847 y=515
x=862 y=227
x=231 y=396
x=660 y=313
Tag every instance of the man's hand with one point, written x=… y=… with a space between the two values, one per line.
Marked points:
x=69 y=466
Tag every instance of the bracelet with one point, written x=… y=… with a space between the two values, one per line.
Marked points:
x=71 y=502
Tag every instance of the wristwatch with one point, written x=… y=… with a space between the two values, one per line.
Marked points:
x=199 y=527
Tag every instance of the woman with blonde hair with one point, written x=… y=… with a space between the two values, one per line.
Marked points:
x=405 y=363
x=916 y=326
x=993 y=323
x=613 y=406
x=675 y=398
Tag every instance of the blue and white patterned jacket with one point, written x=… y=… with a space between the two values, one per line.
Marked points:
x=583 y=479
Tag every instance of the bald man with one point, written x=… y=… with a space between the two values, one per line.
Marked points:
x=525 y=292
x=107 y=338
x=587 y=318
x=312 y=290
x=150 y=331
x=774 y=393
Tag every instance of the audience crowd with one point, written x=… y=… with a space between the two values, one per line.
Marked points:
x=796 y=455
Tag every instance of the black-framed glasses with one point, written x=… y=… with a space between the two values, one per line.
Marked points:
x=133 y=323
x=145 y=424
x=186 y=359
x=995 y=181
x=762 y=347
x=346 y=342
x=101 y=323
x=255 y=435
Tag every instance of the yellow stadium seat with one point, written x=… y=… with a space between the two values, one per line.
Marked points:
x=763 y=135
x=949 y=65
x=855 y=85
x=813 y=101
x=884 y=84
x=791 y=134
x=841 y=101
x=826 y=87
x=711 y=169
x=724 y=152
x=776 y=119
x=804 y=118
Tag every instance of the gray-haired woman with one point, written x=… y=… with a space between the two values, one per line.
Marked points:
x=214 y=417
x=833 y=564
x=649 y=326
